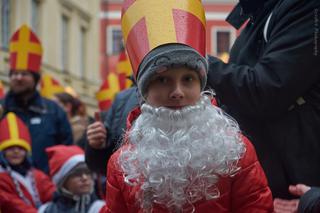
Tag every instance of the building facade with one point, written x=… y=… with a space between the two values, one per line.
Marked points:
x=220 y=35
x=69 y=32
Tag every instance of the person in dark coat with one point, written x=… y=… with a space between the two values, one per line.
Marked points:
x=104 y=136
x=47 y=122
x=271 y=87
x=310 y=201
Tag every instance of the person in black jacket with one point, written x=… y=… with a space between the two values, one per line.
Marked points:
x=104 y=136
x=271 y=86
x=310 y=201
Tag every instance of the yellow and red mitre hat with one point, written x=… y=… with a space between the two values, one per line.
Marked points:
x=25 y=50
x=13 y=132
x=147 y=24
x=2 y=93
x=109 y=88
x=124 y=70
x=50 y=86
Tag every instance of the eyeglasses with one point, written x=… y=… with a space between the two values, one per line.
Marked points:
x=15 y=74
x=80 y=172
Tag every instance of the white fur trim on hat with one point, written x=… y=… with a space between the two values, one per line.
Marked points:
x=67 y=166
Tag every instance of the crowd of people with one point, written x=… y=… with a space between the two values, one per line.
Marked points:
x=193 y=134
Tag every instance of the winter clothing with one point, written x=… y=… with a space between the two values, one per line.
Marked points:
x=64 y=162
x=310 y=201
x=47 y=123
x=271 y=87
x=8 y=205
x=168 y=56
x=247 y=191
x=115 y=122
x=33 y=180
x=27 y=187
x=72 y=204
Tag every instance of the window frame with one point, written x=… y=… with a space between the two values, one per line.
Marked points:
x=109 y=40
x=214 y=37
x=5 y=31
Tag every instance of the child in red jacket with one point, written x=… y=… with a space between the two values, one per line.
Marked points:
x=181 y=153
x=25 y=187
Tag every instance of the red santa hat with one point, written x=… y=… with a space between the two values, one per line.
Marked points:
x=62 y=159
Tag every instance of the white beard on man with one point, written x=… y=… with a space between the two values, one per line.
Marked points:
x=177 y=156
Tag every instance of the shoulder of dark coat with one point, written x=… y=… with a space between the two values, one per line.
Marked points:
x=51 y=106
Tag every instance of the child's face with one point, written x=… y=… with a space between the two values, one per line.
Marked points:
x=174 y=88
x=80 y=183
x=15 y=155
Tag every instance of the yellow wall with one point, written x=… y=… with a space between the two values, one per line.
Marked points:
x=80 y=13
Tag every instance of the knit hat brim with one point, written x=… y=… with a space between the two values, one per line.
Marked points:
x=172 y=55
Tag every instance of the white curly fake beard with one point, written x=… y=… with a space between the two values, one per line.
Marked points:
x=177 y=156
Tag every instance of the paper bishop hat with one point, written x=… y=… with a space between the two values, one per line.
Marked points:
x=13 y=132
x=108 y=89
x=173 y=30
x=50 y=86
x=124 y=70
x=2 y=93
x=147 y=24
x=25 y=50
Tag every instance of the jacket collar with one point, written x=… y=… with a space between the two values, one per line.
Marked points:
x=237 y=17
x=35 y=103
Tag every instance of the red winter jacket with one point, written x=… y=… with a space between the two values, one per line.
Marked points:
x=11 y=202
x=247 y=191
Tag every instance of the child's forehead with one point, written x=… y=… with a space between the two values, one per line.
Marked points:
x=176 y=70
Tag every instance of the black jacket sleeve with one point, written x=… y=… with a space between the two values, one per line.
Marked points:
x=97 y=159
x=310 y=201
x=115 y=122
x=287 y=68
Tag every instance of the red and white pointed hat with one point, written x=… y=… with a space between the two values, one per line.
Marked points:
x=62 y=159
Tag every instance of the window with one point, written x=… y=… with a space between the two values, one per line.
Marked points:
x=114 y=40
x=223 y=42
x=35 y=10
x=5 y=23
x=64 y=43
x=82 y=52
x=223 y=39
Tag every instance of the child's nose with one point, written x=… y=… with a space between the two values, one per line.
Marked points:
x=177 y=92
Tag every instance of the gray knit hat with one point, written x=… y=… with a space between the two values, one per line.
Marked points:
x=171 y=55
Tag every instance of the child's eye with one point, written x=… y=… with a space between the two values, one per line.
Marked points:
x=162 y=80
x=188 y=78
